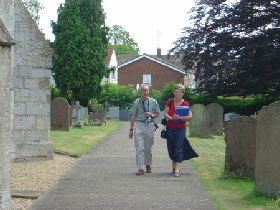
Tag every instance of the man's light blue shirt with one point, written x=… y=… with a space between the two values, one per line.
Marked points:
x=138 y=109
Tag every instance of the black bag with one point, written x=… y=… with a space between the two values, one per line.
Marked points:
x=163 y=121
x=163 y=134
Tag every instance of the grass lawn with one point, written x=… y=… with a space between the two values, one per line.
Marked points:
x=78 y=141
x=226 y=193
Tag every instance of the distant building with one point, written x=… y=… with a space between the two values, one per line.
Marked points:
x=155 y=70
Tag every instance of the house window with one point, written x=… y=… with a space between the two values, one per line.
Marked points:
x=147 y=79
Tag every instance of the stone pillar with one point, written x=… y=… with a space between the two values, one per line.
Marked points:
x=6 y=116
x=31 y=84
x=267 y=175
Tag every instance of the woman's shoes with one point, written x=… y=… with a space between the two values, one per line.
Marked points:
x=176 y=173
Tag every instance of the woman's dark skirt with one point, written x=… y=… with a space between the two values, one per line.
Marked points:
x=178 y=146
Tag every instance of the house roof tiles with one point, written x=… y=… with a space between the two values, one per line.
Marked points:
x=165 y=60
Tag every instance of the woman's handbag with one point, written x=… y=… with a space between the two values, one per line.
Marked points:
x=163 y=121
x=163 y=134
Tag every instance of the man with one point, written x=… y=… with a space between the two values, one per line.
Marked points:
x=144 y=111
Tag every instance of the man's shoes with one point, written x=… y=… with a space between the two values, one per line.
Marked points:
x=149 y=169
x=140 y=172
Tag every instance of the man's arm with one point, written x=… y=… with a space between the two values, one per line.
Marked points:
x=132 y=120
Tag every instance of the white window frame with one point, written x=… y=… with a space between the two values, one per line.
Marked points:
x=147 y=79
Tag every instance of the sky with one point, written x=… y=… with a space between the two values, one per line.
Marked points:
x=151 y=23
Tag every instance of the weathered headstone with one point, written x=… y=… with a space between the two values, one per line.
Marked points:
x=200 y=125
x=230 y=116
x=240 y=138
x=216 y=112
x=114 y=111
x=60 y=114
x=96 y=117
x=124 y=115
x=267 y=175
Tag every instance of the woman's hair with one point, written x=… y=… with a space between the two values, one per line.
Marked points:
x=180 y=87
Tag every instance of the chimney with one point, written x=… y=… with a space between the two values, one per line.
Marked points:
x=158 y=52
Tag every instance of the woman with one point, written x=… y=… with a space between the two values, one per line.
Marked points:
x=176 y=132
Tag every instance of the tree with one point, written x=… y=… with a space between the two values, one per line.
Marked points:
x=121 y=41
x=80 y=48
x=234 y=47
x=34 y=7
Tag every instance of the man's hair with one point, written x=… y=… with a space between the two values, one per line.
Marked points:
x=143 y=86
x=179 y=87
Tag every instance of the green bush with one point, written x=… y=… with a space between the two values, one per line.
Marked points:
x=117 y=95
x=94 y=106
x=54 y=92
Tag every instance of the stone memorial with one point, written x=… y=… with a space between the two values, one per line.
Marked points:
x=60 y=114
x=96 y=117
x=85 y=111
x=124 y=115
x=240 y=138
x=216 y=112
x=267 y=175
x=231 y=115
x=102 y=111
x=77 y=108
x=200 y=125
x=114 y=111
x=81 y=113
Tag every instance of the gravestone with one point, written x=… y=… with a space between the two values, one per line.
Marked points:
x=216 y=112
x=231 y=115
x=114 y=111
x=77 y=123
x=81 y=112
x=101 y=111
x=200 y=125
x=60 y=114
x=124 y=115
x=240 y=138
x=96 y=117
x=85 y=111
x=267 y=175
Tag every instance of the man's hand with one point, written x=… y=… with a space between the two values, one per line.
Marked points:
x=131 y=134
x=148 y=114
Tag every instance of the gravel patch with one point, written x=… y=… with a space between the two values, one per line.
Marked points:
x=38 y=176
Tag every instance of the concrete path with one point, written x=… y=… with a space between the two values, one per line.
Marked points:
x=104 y=178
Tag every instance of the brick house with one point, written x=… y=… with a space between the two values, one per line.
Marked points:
x=155 y=70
